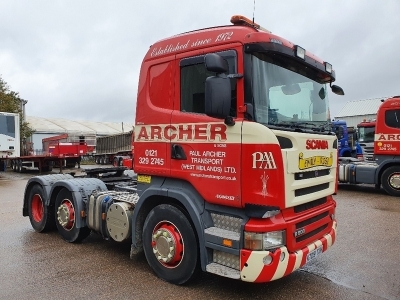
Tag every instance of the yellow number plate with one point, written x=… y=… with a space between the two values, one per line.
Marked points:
x=144 y=178
x=314 y=161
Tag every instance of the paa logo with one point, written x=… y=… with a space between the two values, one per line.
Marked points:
x=263 y=160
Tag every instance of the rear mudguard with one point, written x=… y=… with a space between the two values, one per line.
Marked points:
x=81 y=189
x=46 y=181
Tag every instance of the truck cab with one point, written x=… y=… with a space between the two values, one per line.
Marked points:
x=233 y=124
x=348 y=145
x=366 y=136
x=235 y=158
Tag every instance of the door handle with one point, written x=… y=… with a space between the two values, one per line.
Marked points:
x=177 y=152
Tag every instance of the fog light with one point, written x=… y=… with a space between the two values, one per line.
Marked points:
x=267 y=260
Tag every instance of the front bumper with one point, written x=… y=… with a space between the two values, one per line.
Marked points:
x=253 y=268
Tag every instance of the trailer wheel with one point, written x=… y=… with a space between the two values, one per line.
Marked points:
x=40 y=215
x=391 y=181
x=170 y=244
x=65 y=216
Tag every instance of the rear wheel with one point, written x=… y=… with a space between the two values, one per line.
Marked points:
x=40 y=215
x=65 y=210
x=19 y=165
x=391 y=181
x=170 y=244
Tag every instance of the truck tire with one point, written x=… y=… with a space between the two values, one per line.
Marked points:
x=19 y=166
x=391 y=181
x=40 y=215
x=170 y=244
x=65 y=216
x=116 y=162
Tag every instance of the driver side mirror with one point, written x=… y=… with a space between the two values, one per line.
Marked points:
x=217 y=88
x=337 y=90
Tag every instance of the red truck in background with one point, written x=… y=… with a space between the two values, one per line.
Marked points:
x=56 y=150
x=235 y=160
x=381 y=165
x=366 y=136
x=56 y=153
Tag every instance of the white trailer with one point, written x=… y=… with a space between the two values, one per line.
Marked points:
x=9 y=135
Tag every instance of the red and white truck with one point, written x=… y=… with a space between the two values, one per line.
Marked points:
x=366 y=136
x=236 y=165
x=381 y=165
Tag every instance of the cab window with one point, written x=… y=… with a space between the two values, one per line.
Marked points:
x=392 y=118
x=193 y=76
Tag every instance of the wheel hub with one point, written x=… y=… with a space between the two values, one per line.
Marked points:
x=66 y=214
x=167 y=245
x=394 y=180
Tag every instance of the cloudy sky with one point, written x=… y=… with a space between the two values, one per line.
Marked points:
x=80 y=60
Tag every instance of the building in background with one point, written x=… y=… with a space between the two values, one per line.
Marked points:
x=354 y=112
x=78 y=131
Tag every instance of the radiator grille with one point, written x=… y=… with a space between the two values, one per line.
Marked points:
x=311 y=174
x=309 y=205
x=311 y=189
x=312 y=233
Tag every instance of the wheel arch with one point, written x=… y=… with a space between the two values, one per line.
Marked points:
x=382 y=167
x=80 y=189
x=185 y=199
x=46 y=182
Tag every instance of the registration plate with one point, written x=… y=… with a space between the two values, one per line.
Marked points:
x=313 y=254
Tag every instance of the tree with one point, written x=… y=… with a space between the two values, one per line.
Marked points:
x=11 y=102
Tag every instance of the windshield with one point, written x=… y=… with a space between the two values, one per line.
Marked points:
x=285 y=98
x=366 y=134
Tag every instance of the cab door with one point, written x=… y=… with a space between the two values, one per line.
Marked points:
x=204 y=150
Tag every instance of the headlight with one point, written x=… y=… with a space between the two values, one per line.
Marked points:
x=264 y=241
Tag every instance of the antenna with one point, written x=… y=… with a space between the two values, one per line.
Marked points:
x=254 y=8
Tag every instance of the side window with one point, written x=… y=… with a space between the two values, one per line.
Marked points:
x=392 y=118
x=193 y=77
x=7 y=125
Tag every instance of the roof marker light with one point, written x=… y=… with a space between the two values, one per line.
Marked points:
x=241 y=20
x=300 y=52
x=328 y=67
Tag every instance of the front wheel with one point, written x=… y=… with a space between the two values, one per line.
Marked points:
x=391 y=181
x=170 y=244
x=40 y=215
x=65 y=210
